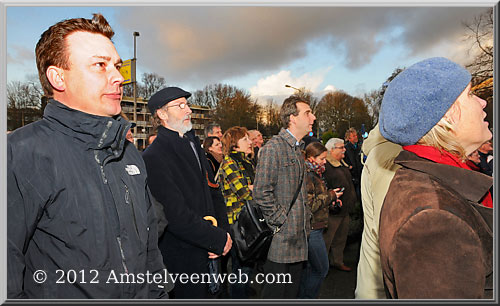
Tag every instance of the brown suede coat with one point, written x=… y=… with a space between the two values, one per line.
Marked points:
x=436 y=242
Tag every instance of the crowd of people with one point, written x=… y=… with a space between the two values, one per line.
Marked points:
x=84 y=204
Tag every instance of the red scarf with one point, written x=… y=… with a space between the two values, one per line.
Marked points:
x=445 y=158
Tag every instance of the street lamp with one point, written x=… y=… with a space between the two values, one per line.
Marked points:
x=290 y=86
x=348 y=121
x=134 y=60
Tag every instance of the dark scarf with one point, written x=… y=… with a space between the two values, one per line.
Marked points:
x=247 y=164
x=313 y=166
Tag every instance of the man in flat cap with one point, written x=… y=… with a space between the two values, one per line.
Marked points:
x=176 y=167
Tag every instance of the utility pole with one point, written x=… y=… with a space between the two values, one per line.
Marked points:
x=134 y=77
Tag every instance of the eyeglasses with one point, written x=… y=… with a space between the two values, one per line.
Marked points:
x=181 y=105
x=341 y=148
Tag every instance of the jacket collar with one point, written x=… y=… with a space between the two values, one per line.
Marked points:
x=335 y=163
x=171 y=133
x=470 y=184
x=94 y=132
x=289 y=138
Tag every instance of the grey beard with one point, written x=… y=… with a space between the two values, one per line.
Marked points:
x=180 y=127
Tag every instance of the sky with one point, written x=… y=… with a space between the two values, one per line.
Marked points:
x=260 y=48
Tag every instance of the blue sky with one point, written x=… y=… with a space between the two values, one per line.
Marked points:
x=260 y=49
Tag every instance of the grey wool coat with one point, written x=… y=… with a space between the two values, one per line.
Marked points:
x=279 y=172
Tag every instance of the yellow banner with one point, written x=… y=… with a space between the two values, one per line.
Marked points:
x=126 y=71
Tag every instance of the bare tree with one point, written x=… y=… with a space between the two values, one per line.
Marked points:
x=479 y=34
x=272 y=122
x=24 y=103
x=234 y=107
x=152 y=82
x=337 y=111
x=373 y=99
x=211 y=95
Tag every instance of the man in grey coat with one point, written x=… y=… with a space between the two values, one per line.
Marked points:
x=279 y=176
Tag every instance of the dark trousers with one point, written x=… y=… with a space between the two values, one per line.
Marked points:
x=282 y=290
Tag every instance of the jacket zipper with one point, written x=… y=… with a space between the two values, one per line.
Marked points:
x=128 y=200
x=122 y=254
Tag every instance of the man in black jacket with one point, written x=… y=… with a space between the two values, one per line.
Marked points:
x=177 y=176
x=80 y=217
x=353 y=159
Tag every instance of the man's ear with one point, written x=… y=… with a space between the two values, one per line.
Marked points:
x=55 y=75
x=292 y=120
x=162 y=114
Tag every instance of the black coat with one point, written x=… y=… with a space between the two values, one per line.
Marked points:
x=78 y=200
x=177 y=182
x=353 y=158
x=339 y=176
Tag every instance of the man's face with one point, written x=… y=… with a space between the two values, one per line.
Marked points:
x=129 y=136
x=353 y=138
x=93 y=83
x=470 y=129
x=486 y=147
x=304 y=121
x=338 y=151
x=216 y=132
x=178 y=119
x=258 y=140
x=151 y=139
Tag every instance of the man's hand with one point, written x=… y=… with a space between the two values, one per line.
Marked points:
x=212 y=255
x=227 y=248
x=229 y=244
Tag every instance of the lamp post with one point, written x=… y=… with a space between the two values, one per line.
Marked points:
x=348 y=121
x=134 y=60
x=290 y=86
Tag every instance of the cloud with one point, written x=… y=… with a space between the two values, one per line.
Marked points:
x=204 y=45
x=273 y=86
x=329 y=88
x=18 y=54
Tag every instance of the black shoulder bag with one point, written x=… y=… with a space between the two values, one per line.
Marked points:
x=251 y=234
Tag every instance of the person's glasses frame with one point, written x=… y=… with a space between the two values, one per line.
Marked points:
x=181 y=105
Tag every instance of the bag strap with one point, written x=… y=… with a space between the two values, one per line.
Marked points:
x=296 y=194
x=277 y=229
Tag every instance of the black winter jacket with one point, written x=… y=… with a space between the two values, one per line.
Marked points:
x=353 y=158
x=78 y=206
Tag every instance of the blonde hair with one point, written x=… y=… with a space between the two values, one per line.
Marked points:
x=442 y=135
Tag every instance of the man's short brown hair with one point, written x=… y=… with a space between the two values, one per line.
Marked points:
x=349 y=132
x=289 y=107
x=51 y=49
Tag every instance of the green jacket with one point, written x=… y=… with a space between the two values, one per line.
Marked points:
x=377 y=174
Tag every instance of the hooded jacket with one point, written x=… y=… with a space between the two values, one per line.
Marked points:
x=376 y=177
x=79 y=209
x=436 y=241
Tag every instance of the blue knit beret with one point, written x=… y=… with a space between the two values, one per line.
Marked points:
x=417 y=98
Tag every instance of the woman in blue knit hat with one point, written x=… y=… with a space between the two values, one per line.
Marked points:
x=436 y=236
